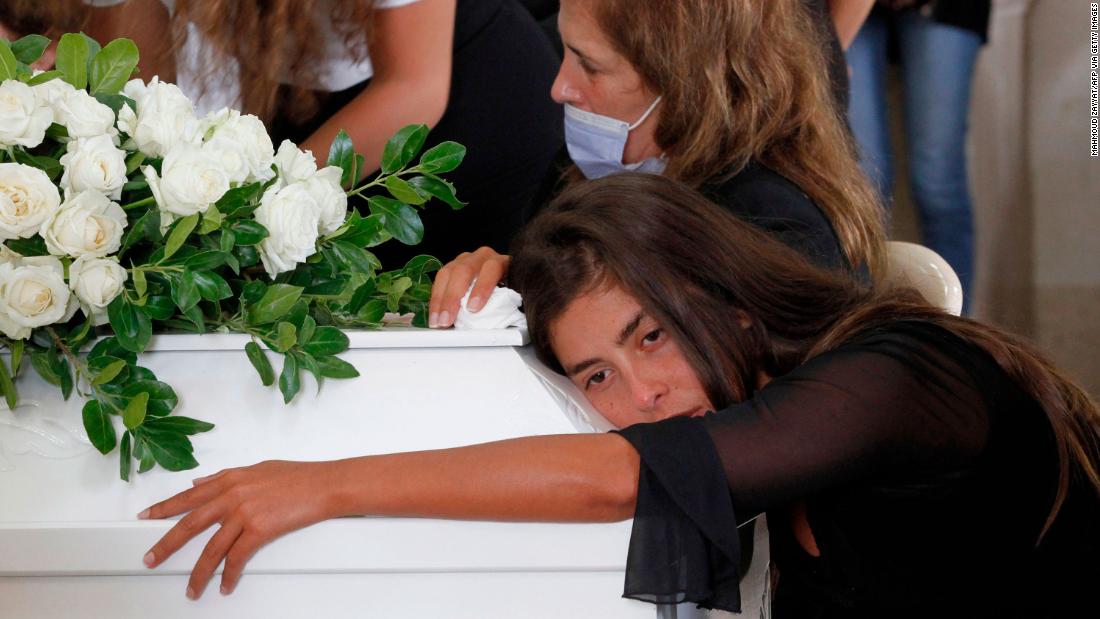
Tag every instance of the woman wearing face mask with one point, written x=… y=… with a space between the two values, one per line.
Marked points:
x=909 y=461
x=729 y=96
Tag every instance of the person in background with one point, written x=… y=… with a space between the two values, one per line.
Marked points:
x=729 y=96
x=912 y=463
x=937 y=42
x=474 y=71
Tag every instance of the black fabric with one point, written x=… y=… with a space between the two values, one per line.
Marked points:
x=926 y=474
x=971 y=15
x=499 y=108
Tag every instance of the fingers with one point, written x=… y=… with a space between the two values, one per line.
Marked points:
x=492 y=272
x=453 y=280
x=216 y=550
x=243 y=549
x=183 y=502
x=182 y=532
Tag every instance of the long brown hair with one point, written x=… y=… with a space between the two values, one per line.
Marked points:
x=694 y=267
x=743 y=81
x=270 y=39
x=49 y=17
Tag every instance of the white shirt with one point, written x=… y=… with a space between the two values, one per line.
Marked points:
x=340 y=70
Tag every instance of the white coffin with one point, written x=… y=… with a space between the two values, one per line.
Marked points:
x=70 y=544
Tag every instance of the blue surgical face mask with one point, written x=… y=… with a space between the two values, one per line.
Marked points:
x=596 y=143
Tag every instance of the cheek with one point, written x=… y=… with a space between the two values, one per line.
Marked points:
x=614 y=408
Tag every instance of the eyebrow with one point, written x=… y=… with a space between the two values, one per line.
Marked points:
x=581 y=54
x=628 y=329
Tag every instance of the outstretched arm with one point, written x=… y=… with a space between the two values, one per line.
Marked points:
x=567 y=478
x=411 y=55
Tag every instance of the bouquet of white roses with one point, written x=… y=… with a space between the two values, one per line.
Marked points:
x=122 y=212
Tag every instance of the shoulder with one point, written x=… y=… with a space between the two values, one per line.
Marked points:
x=777 y=205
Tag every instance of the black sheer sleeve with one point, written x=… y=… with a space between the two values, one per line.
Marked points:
x=892 y=405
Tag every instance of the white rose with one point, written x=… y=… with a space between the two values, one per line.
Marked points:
x=291 y=217
x=294 y=165
x=23 y=117
x=190 y=181
x=87 y=224
x=52 y=92
x=164 y=117
x=242 y=144
x=96 y=282
x=83 y=116
x=32 y=295
x=94 y=164
x=325 y=188
x=27 y=198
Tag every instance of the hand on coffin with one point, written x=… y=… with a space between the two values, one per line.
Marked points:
x=254 y=505
x=451 y=283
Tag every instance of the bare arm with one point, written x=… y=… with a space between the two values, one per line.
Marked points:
x=411 y=55
x=848 y=17
x=147 y=23
x=568 y=478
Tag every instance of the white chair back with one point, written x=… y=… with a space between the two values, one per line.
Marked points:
x=922 y=269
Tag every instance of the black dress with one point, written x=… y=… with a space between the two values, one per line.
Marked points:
x=926 y=473
x=499 y=107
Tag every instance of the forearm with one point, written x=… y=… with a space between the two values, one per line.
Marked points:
x=371 y=118
x=848 y=17
x=147 y=23
x=567 y=478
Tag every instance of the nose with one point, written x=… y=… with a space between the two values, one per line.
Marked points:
x=562 y=90
x=647 y=391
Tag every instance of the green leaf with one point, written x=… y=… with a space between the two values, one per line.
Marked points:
x=141 y=285
x=30 y=48
x=124 y=456
x=276 y=302
x=442 y=157
x=361 y=295
x=178 y=425
x=49 y=165
x=403 y=191
x=109 y=347
x=116 y=102
x=261 y=363
x=342 y=155
x=419 y=267
x=61 y=367
x=171 y=451
x=309 y=364
x=327 y=341
x=146 y=226
x=211 y=220
x=16 y=356
x=227 y=241
x=8 y=64
x=372 y=312
x=400 y=219
x=72 y=59
x=335 y=367
x=44 y=77
x=134 y=413
x=97 y=424
x=355 y=258
x=179 y=234
x=289 y=380
x=205 y=260
x=185 y=292
x=134 y=161
x=7 y=386
x=41 y=364
x=112 y=67
x=402 y=147
x=252 y=292
x=132 y=327
x=162 y=398
x=108 y=373
x=212 y=286
x=286 y=337
x=159 y=307
x=143 y=455
x=305 y=334
x=438 y=188
x=397 y=288
x=249 y=232
x=367 y=231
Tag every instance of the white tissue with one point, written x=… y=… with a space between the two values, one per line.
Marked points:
x=499 y=312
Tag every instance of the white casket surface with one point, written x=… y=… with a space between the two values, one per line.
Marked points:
x=71 y=545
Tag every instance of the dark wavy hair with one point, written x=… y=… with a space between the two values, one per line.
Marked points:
x=700 y=272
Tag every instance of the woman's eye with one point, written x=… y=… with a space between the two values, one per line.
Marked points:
x=653 y=336
x=587 y=68
x=596 y=378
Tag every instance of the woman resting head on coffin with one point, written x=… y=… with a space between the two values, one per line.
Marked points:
x=731 y=97
x=909 y=461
